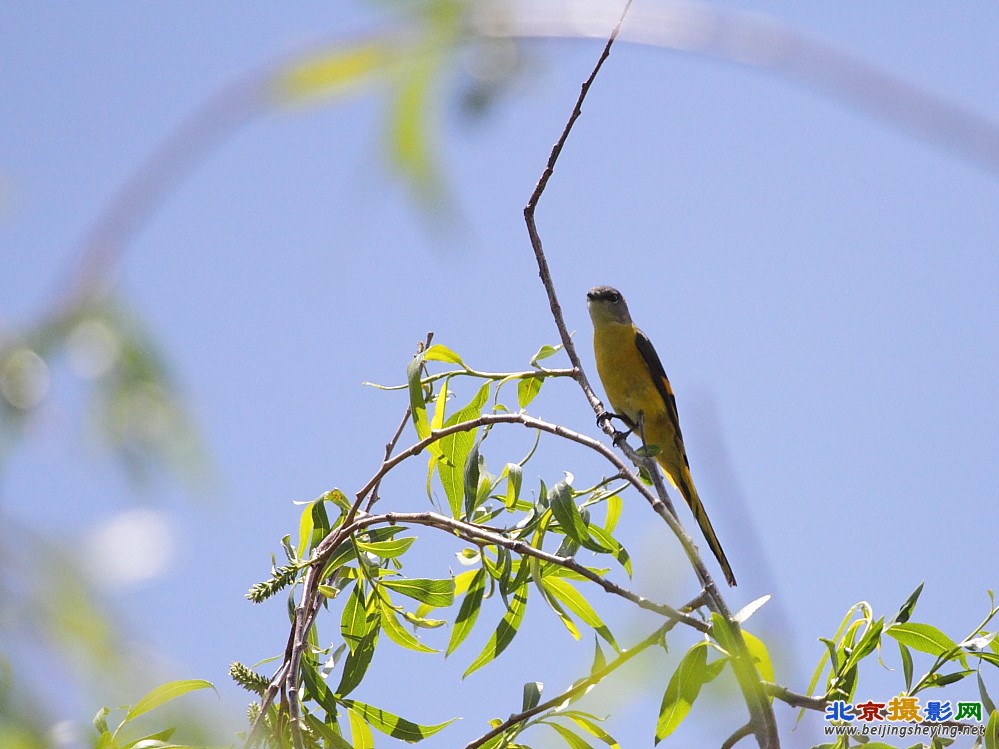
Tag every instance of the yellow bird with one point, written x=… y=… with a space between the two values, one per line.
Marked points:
x=640 y=394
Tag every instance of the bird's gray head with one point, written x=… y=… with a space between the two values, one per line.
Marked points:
x=607 y=306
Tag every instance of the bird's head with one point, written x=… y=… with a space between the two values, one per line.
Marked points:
x=606 y=305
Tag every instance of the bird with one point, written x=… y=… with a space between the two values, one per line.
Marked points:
x=640 y=394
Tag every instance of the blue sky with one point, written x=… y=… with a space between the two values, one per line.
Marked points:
x=819 y=284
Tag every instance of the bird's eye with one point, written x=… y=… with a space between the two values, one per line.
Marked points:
x=614 y=297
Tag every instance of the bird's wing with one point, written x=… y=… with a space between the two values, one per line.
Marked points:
x=659 y=377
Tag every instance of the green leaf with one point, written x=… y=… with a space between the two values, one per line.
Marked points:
x=343 y=553
x=469 y=610
x=393 y=725
x=436 y=593
x=357 y=662
x=315 y=686
x=987 y=702
x=514 y=480
x=614 y=506
x=360 y=734
x=332 y=738
x=454 y=450
x=992 y=731
x=528 y=389
x=166 y=692
x=397 y=633
x=906 y=610
x=723 y=633
x=532 y=695
x=684 y=686
x=470 y=480
x=942 y=680
x=313 y=527
x=922 y=637
x=567 y=513
x=354 y=622
x=587 y=723
x=544 y=352
x=906 y=665
x=504 y=633
x=612 y=545
x=417 y=399
x=599 y=659
x=565 y=592
x=573 y=740
x=160 y=738
x=439 y=352
x=758 y=651
x=866 y=646
x=391 y=549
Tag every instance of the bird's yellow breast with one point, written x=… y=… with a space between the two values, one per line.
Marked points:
x=624 y=373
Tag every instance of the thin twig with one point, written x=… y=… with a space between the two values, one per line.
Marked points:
x=389 y=447
x=794 y=699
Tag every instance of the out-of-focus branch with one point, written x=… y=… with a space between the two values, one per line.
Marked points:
x=760 y=41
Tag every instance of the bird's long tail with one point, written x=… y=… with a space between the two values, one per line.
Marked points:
x=685 y=484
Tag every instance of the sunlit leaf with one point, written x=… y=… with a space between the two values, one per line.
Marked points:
x=164 y=693
x=514 y=480
x=393 y=725
x=360 y=734
x=544 y=352
x=358 y=660
x=397 y=633
x=436 y=593
x=417 y=398
x=573 y=740
x=504 y=633
x=992 y=731
x=758 y=651
x=354 y=620
x=906 y=665
x=922 y=637
x=470 y=480
x=455 y=448
x=684 y=686
x=396 y=547
x=577 y=604
x=439 y=352
x=588 y=724
x=527 y=389
x=469 y=610
x=567 y=513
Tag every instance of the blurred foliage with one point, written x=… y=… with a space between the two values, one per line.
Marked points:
x=134 y=405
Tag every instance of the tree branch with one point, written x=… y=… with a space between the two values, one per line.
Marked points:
x=761 y=714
